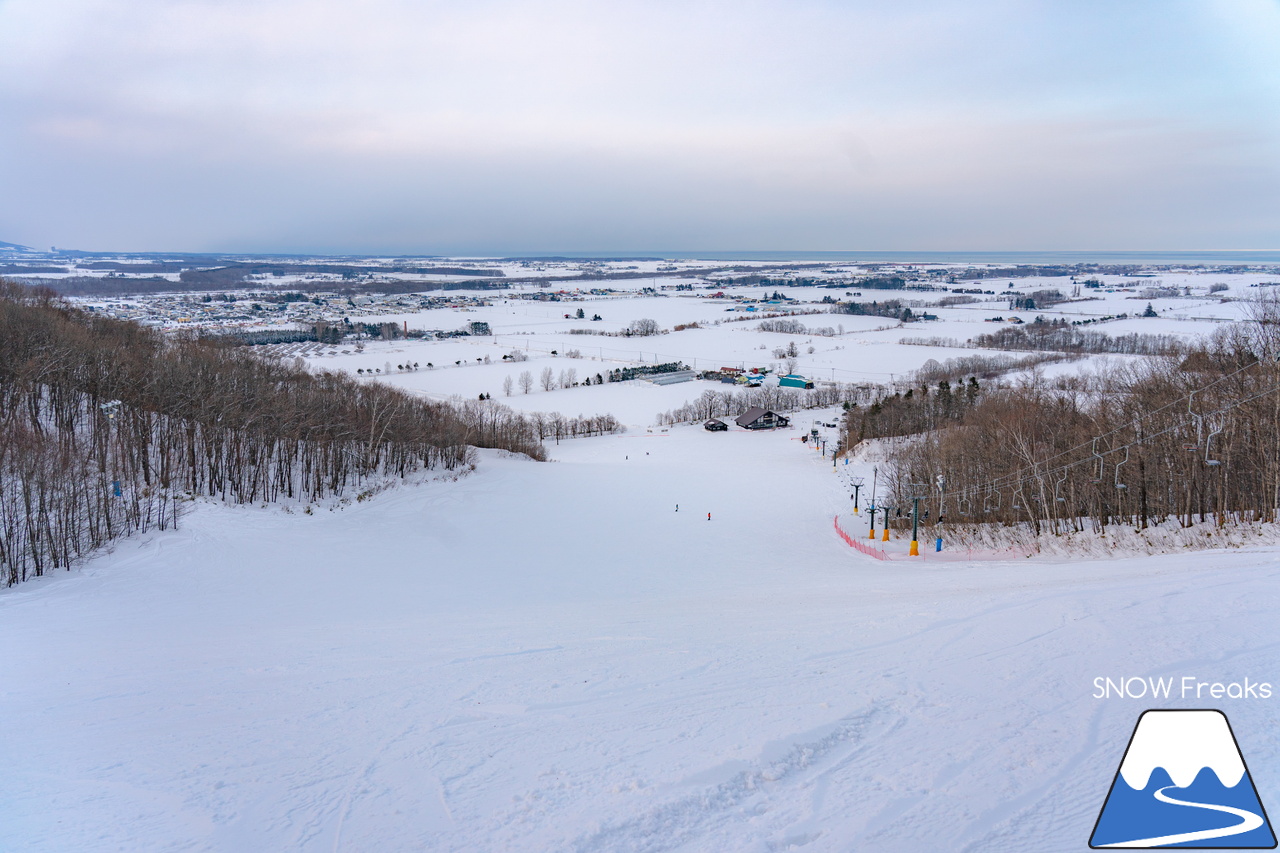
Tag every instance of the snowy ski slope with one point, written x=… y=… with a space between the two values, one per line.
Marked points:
x=549 y=657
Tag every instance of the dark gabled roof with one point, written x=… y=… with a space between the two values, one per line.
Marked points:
x=751 y=415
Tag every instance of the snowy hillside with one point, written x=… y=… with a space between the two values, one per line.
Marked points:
x=551 y=657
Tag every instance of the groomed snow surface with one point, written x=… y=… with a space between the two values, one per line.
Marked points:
x=549 y=657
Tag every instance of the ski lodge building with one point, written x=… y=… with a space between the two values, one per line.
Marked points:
x=758 y=418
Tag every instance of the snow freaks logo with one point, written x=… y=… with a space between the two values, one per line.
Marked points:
x=1183 y=783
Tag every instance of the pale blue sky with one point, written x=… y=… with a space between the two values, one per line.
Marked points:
x=507 y=127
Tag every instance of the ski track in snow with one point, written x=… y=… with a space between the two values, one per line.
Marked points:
x=746 y=793
x=548 y=657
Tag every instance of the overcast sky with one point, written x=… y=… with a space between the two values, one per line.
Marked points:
x=501 y=127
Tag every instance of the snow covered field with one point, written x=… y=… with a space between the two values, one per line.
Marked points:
x=550 y=657
x=866 y=349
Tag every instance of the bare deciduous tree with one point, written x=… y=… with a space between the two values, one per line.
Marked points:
x=106 y=425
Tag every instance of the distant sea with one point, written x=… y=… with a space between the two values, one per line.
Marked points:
x=1009 y=258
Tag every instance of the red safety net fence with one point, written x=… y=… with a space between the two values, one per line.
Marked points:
x=854 y=543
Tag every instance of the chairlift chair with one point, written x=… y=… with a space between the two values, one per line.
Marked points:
x=1199 y=421
x=1208 y=445
x=1119 y=465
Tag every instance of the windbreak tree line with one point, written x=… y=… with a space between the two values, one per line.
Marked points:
x=719 y=404
x=913 y=411
x=1191 y=438
x=492 y=421
x=1061 y=336
x=894 y=309
x=105 y=425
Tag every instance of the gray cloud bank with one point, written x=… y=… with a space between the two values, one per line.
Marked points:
x=506 y=127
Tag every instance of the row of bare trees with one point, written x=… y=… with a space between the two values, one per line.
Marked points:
x=1060 y=336
x=492 y=421
x=966 y=367
x=718 y=404
x=914 y=411
x=106 y=425
x=1190 y=438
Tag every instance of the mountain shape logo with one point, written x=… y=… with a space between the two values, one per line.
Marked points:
x=1183 y=783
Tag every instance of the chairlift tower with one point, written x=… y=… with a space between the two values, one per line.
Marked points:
x=918 y=491
x=110 y=408
x=941 y=482
x=875 y=470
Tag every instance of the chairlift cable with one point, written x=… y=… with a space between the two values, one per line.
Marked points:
x=1011 y=480
x=1186 y=399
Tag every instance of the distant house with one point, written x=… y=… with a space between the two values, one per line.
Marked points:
x=715 y=425
x=793 y=380
x=758 y=418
